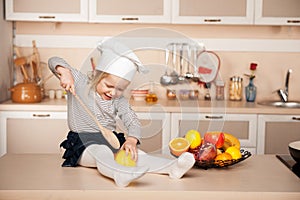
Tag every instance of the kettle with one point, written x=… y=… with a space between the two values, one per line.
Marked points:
x=26 y=93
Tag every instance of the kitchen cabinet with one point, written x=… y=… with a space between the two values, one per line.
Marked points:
x=275 y=132
x=32 y=132
x=243 y=126
x=277 y=12
x=155 y=132
x=212 y=12
x=47 y=10
x=42 y=132
x=130 y=11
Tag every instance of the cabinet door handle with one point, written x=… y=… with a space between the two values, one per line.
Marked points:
x=293 y=21
x=212 y=20
x=296 y=118
x=213 y=117
x=41 y=115
x=47 y=17
x=130 y=18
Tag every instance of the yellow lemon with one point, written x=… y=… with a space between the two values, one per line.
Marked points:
x=234 y=152
x=178 y=146
x=194 y=138
x=125 y=160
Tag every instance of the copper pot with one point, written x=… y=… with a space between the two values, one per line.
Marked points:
x=26 y=93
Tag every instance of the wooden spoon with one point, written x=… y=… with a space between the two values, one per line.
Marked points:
x=110 y=137
x=21 y=62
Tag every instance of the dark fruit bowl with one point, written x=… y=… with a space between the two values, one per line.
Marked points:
x=294 y=148
x=220 y=164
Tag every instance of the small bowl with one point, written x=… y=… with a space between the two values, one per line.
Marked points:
x=139 y=95
x=141 y=91
x=294 y=148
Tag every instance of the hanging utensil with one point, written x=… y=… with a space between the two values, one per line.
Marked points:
x=188 y=74
x=181 y=77
x=208 y=65
x=183 y=60
x=195 y=77
x=174 y=75
x=166 y=79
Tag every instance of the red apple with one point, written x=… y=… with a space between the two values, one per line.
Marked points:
x=207 y=152
x=216 y=138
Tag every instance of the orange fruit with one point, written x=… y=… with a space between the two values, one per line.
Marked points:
x=234 y=152
x=219 y=151
x=194 y=138
x=223 y=156
x=178 y=146
x=125 y=160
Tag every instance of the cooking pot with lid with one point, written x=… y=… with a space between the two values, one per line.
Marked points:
x=26 y=93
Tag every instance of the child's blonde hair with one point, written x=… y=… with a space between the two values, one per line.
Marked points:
x=97 y=77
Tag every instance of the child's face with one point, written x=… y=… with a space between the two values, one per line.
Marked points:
x=111 y=87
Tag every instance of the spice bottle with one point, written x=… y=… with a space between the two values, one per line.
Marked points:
x=236 y=88
x=220 y=90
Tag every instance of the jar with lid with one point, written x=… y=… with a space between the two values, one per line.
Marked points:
x=236 y=88
x=220 y=90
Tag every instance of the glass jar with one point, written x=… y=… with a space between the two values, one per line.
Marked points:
x=236 y=88
x=220 y=90
x=193 y=94
x=171 y=94
x=151 y=97
x=184 y=94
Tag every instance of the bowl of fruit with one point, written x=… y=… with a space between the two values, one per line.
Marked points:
x=215 y=150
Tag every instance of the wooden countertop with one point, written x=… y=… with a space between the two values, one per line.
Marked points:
x=40 y=176
x=201 y=106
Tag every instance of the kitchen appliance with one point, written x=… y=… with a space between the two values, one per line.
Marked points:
x=290 y=163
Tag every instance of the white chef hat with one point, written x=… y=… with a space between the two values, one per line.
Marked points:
x=119 y=60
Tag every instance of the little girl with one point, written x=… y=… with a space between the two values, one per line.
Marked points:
x=103 y=96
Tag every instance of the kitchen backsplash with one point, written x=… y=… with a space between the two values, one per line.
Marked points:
x=234 y=58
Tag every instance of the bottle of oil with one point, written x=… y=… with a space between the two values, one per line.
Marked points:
x=151 y=97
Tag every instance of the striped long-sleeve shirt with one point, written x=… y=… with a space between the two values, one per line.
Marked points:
x=106 y=111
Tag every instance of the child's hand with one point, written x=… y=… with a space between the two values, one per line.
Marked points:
x=66 y=79
x=130 y=146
